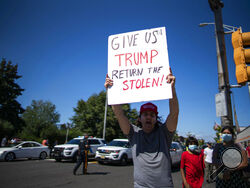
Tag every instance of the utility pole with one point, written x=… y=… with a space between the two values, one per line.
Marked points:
x=67 y=133
x=224 y=86
x=105 y=116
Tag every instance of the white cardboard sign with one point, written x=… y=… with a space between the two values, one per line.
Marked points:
x=138 y=64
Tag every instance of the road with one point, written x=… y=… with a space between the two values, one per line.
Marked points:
x=48 y=173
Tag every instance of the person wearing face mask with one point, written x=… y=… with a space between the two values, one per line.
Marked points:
x=192 y=165
x=229 y=178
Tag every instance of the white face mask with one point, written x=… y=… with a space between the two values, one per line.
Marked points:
x=226 y=137
x=192 y=147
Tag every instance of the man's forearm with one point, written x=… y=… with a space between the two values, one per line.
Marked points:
x=173 y=112
x=122 y=119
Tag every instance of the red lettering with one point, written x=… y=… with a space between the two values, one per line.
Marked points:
x=136 y=58
x=132 y=81
x=144 y=57
x=137 y=63
x=125 y=83
x=136 y=85
x=155 y=82
x=128 y=58
x=142 y=83
x=148 y=82
x=142 y=86
x=151 y=57
x=119 y=59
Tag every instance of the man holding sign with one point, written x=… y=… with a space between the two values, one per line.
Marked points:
x=146 y=74
x=150 y=141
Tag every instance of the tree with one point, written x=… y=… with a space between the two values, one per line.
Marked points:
x=41 y=120
x=89 y=117
x=6 y=129
x=176 y=136
x=217 y=128
x=10 y=109
x=201 y=142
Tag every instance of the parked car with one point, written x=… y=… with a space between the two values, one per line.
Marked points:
x=176 y=151
x=117 y=151
x=25 y=149
x=69 y=150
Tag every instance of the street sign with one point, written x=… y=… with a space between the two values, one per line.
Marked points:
x=221 y=105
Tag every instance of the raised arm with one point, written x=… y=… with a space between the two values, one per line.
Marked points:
x=122 y=119
x=172 y=119
x=119 y=113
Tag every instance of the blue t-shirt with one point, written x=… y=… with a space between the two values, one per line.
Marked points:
x=151 y=157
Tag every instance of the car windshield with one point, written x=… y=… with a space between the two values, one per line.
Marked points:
x=118 y=143
x=74 y=141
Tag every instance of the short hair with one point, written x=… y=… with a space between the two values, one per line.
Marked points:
x=191 y=140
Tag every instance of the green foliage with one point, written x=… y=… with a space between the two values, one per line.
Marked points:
x=10 y=109
x=201 y=142
x=176 y=136
x=41 y=120
x=89 y=117
x=218 y=131
x=6 y=129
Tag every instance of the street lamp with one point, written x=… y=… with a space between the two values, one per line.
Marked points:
x=223 y=98
x=230 y=28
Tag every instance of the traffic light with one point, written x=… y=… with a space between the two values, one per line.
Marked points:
x=241 y=41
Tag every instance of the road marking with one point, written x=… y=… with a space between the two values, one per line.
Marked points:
x=92 y=162
x=89 y=162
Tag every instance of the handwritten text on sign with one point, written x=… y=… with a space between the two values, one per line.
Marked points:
x=138 y=64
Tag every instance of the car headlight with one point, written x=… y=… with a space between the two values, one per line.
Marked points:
x=117 y=151
x=68 y=148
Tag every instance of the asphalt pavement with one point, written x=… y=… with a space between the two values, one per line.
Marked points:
x=48 y=174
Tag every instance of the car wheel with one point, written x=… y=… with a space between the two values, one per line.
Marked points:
x=10 y=156
x=43 y=155
x=124 y=160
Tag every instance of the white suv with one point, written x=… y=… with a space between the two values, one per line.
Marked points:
x=117 y=151
x=70 y=149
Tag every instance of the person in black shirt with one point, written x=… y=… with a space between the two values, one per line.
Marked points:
x=82 y=155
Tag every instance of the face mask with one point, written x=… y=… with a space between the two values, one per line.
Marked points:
x=193 y=147
x=226 y=137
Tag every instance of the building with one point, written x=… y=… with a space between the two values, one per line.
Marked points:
x=243 y=136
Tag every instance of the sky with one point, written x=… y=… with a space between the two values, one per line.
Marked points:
x=61 y=49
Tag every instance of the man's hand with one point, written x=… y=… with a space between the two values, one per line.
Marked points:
x=171 y=78
x=108 y=82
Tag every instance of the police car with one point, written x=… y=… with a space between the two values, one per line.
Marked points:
x=69 y=150
x=117 y=151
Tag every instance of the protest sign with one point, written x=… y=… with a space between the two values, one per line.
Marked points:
x=138 y=64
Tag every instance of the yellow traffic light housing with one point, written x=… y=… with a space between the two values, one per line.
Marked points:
x=241 y=41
